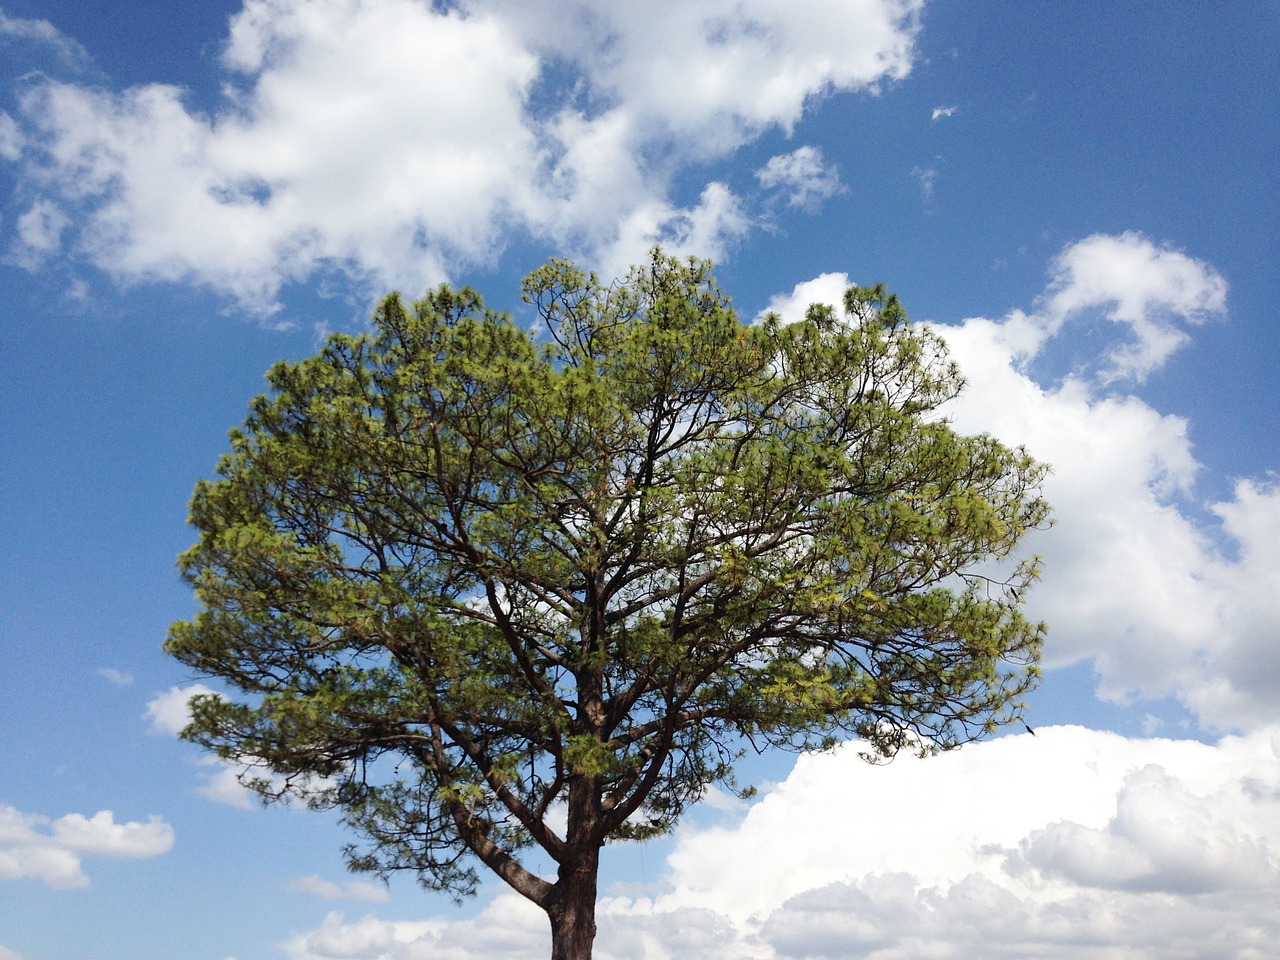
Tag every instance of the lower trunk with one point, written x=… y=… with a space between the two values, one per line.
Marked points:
x=573 y=908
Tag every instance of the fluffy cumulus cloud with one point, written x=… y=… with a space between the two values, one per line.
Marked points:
x=52 y=851
x=1070 y=844
x=1164 y=601
x=826 y=288
x=397 y=140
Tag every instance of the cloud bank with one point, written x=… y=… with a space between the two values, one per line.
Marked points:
x=1073 y=843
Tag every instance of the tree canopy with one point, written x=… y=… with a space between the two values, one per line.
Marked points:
x=484 y=588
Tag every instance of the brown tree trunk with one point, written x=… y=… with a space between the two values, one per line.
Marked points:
x=573 y=908
x=571 y=905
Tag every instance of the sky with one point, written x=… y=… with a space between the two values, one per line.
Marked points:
x=1082 y=198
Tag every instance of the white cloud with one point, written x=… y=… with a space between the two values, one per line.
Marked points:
x=1074 y=843
x=827 y=288
x=40 y=232
x=11 y=139
x=170 y=711
x=715 y=74
x=708 y=229
x=803 y=175
x=1164 y=603
x=115 y=677
x=503 y=929
x=45 y=34
x=351 y=890
x=395 y=142
x=51 y=850
x=222 y=785
x=1133 y=281
x=941 y=113
x=7 y=954
x=1151 y=292
x=927 y=177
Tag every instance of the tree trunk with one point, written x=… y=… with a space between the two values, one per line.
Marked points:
x=573 y=908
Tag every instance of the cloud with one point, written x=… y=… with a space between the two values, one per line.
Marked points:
x=811 y=871
x=44 y=34
x=40 y=231
x=891 y=918
x=52 y=850
x=927 y=177
x=170 y=711
x=708 y=229
x=1163 y=601
x=1151 y=292
x=222 y=785
x=1162 y=838
x=1074 y=843
x=941 y=113
x=118 y=678
x=351 y=890
x=11 y=139
x=804 y=176
x=396 y=141
x=1130 y=280
x=503 y=929
x=827 y=288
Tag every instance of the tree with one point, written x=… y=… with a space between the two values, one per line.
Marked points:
x=469 y=582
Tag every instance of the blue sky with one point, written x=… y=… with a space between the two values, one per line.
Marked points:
x=1083 y=197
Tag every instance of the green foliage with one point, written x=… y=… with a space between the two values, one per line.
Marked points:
x=461 y=574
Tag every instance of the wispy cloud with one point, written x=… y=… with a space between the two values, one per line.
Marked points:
x=46 y=35
x=927 y=177
x=115 y=677
x=803 y=176
x=220 y=781
x=1153 y=290
x=351 y=890
x=941 y=113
